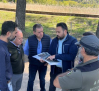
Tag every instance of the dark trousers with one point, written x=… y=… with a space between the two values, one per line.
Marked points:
x=57 y=71
x=32 y=73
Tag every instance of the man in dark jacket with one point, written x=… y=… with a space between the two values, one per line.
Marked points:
x=85 y=76
x=16 y=51
x=8 y=32
x=63 y=49
x=37 y=43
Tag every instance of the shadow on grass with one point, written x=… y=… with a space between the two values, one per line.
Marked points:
x=36 y=18
x=81 y=25
x=76 y=25
x=47 y=30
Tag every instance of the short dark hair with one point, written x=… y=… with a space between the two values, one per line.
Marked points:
x=87 y=33
x=8 y=26
x=36 y=26
x=63 y=25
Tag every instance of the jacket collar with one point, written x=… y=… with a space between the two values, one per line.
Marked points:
x=3 y=42
x=88 y=62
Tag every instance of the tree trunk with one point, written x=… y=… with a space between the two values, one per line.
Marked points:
x=97 y=31
x=20 y=14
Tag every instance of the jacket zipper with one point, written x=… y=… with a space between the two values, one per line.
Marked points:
x=63 y=52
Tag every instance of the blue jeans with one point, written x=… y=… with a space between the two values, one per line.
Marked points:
x=32 y=73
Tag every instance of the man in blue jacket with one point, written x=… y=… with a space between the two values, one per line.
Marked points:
x=36 y=44
x=63 y=49
x=8 y=32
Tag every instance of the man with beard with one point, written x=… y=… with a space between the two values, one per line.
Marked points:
x=35 y=44
x=63 y=49
x=85 y=76
x=79 y=58
x=8 y=32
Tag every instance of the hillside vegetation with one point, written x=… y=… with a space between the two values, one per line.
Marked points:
x=72 y=3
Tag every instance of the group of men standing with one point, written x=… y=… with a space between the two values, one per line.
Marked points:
x=63 y=47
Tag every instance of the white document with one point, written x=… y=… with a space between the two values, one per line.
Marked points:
x=44 y=56
x=10 y=86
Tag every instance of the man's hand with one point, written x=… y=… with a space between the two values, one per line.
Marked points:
x=51 y=57
x=46 y=64
x=41 y=60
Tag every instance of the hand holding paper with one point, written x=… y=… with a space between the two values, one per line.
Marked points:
x=42 y=61
x=46 y=57
x=51 y=57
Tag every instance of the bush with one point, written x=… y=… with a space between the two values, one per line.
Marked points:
x=51 y=2
x=29 y=1
x=5 y=1
x=70 y=3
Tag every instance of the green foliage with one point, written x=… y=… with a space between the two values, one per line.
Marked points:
x=29 y=1
x=51 y=2
x=71 y=3
x=76 y=25
x=4 y=1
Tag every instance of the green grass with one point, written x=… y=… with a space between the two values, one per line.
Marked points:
x=76 y=25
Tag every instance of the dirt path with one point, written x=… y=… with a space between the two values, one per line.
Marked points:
x=58 y=10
